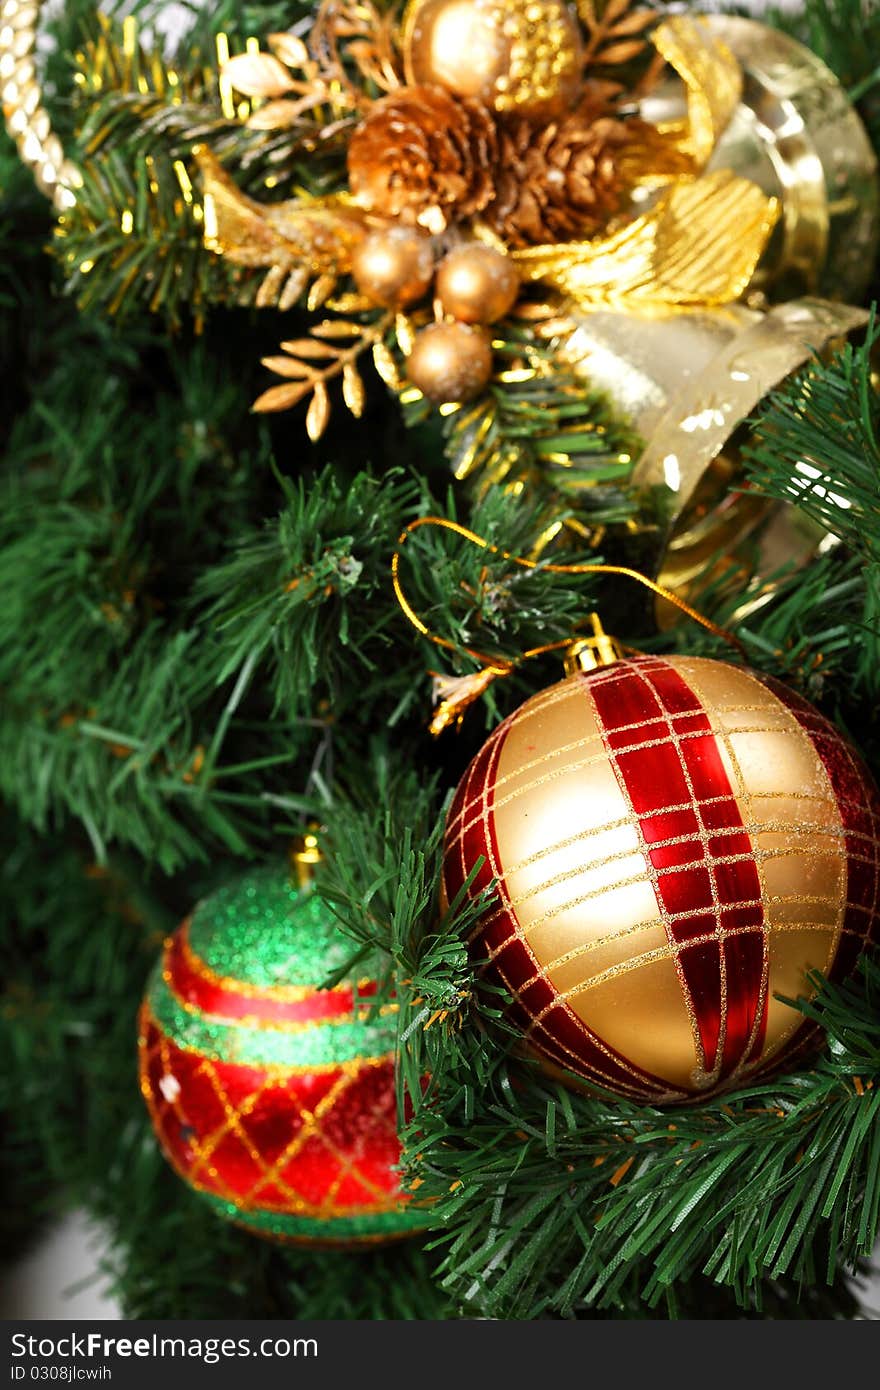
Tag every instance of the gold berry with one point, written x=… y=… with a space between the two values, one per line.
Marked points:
x=477 y=284
x=450 y=362
x=393 y=266
x=523 y=56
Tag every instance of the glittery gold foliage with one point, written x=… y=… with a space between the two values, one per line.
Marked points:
x=585 y=144
x=429 y=149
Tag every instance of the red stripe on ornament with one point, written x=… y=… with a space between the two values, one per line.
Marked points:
x=193 y=983
x=858 y=803
x=548 y=1021
x=668 y=763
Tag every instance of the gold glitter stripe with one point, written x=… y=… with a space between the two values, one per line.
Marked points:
x=205 y=1147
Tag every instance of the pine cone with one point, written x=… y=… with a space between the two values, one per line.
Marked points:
x=562 y=181
x=424 y=156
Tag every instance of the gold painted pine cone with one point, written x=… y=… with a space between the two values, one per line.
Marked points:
x=423 y=156
x=560 y=181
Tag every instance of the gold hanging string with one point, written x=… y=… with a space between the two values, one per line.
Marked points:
x=468 y=688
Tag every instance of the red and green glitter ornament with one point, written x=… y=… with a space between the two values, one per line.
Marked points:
x=272 y=1098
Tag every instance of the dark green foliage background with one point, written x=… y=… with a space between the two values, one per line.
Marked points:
x=150 y=528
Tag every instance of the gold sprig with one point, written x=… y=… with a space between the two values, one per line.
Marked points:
x=296 y=80
x=615 y=33
x=305 y=376
x=357 y=30
x=290 y=84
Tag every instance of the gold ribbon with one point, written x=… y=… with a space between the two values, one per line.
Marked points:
x=711 y=75
x=697 y=247
x=700 y=242
x=461 y=693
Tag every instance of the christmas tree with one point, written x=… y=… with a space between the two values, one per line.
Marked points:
x=357 y=356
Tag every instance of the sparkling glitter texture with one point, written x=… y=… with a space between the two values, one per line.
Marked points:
x=676 y=842
x=270 y=1097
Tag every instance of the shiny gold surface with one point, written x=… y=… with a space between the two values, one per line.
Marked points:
x=583 y=892
x=688 y=383
x=305 y=854
x=697 y=246
x=519 y=56
x=450 y=361
x=27 y=120
x=796 y=135
x=477 y=283
x=700 y=417
x=589 y=653
x=393 y=266
x=644 y=364
x=323 y=232
x=712 y=78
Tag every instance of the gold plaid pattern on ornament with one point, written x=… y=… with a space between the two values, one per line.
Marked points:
x=579 y=890
x=270 y=1174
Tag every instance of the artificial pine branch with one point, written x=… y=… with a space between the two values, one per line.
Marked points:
x=549 y=1201
x=543 y=428
x=151 y=663
x=817 y=442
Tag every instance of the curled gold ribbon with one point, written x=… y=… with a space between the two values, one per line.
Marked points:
x=451 y=709
x=697 y=247
x=712 y=77
x=700 y=243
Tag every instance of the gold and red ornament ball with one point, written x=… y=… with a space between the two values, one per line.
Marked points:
x=676 y=841
x=272 y=1098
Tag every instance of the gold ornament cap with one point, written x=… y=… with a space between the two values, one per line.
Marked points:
x=516 y=56
x=305 y=854
x=589 y=653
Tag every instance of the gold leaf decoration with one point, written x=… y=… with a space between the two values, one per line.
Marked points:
x=294 y=287
x=319 y=233
x=281 y=397
x=310 y=363
x=290 y=49
x=386 y=366
x=258 y=75
x=318 y=413
x=307 y=347
x=699 y=245
x=614 y=33
x=321 y=290
x=353 y=390
x=277 y=115
x=288 y=366
x=336 y=328
x=405 y=333
x=357 y=31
